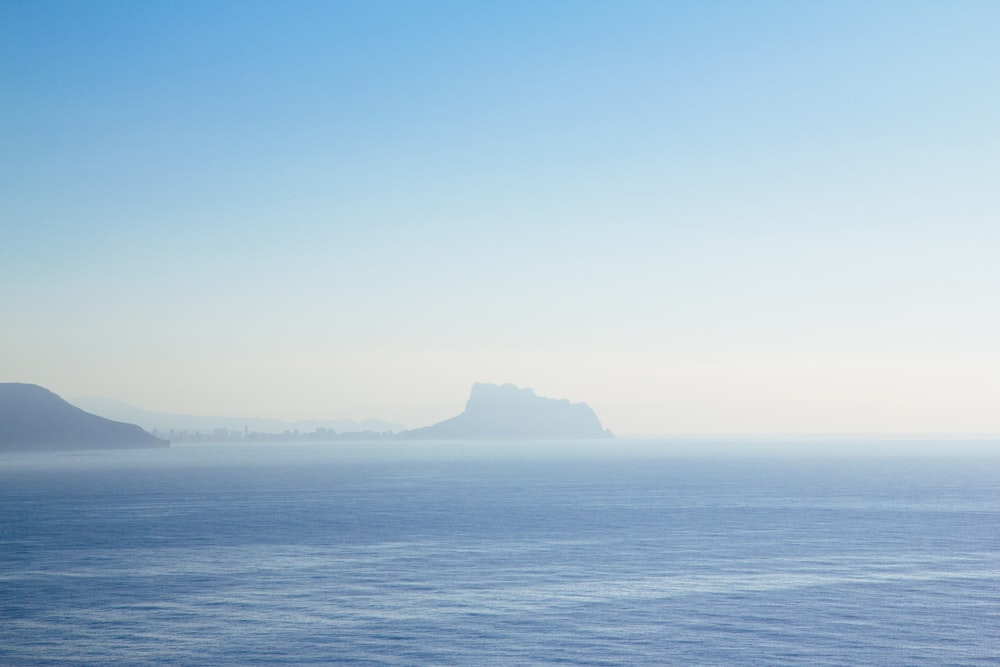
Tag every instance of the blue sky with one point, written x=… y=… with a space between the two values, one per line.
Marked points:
x=700 y=217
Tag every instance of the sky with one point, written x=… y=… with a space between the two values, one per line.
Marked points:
x=697 y=217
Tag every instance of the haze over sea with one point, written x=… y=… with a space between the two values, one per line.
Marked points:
x=643 y=553
x=695 y=216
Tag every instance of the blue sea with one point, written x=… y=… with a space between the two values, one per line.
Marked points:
x=423 y=554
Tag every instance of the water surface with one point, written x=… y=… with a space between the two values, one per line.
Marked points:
x=348 y=554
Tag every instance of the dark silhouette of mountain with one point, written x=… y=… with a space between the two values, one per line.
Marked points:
x=32 y=417
x=505 y=411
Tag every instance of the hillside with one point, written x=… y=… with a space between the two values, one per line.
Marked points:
x=32 y=417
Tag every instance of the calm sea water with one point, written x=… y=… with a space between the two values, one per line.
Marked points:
x=383 y=555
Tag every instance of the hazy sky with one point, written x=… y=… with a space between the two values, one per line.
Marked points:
x=695 y=216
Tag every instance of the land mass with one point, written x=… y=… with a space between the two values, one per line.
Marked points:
x=181 y=428
x=32 y=417
x=508 y=412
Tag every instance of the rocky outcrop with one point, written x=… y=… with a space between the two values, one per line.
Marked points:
x=508 y=412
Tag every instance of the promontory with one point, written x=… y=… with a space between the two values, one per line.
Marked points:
x=509 y=412
x=33 y=418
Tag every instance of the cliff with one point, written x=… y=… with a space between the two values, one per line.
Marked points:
x=32 y=417
x=507 y=412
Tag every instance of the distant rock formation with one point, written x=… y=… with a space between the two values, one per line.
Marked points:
x=505 y=411
x=32 y=417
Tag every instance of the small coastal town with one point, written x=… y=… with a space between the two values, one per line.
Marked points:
x=246 y=435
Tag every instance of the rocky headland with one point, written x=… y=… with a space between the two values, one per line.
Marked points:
x=508 y=412
x=34 y=418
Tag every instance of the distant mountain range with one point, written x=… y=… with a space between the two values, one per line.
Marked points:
x=164 y=422
x=32 y=417
x=508 y=412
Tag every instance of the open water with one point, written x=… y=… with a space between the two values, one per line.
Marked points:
x=383 y=555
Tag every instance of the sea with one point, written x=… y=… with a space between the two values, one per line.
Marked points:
x=619 y=553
